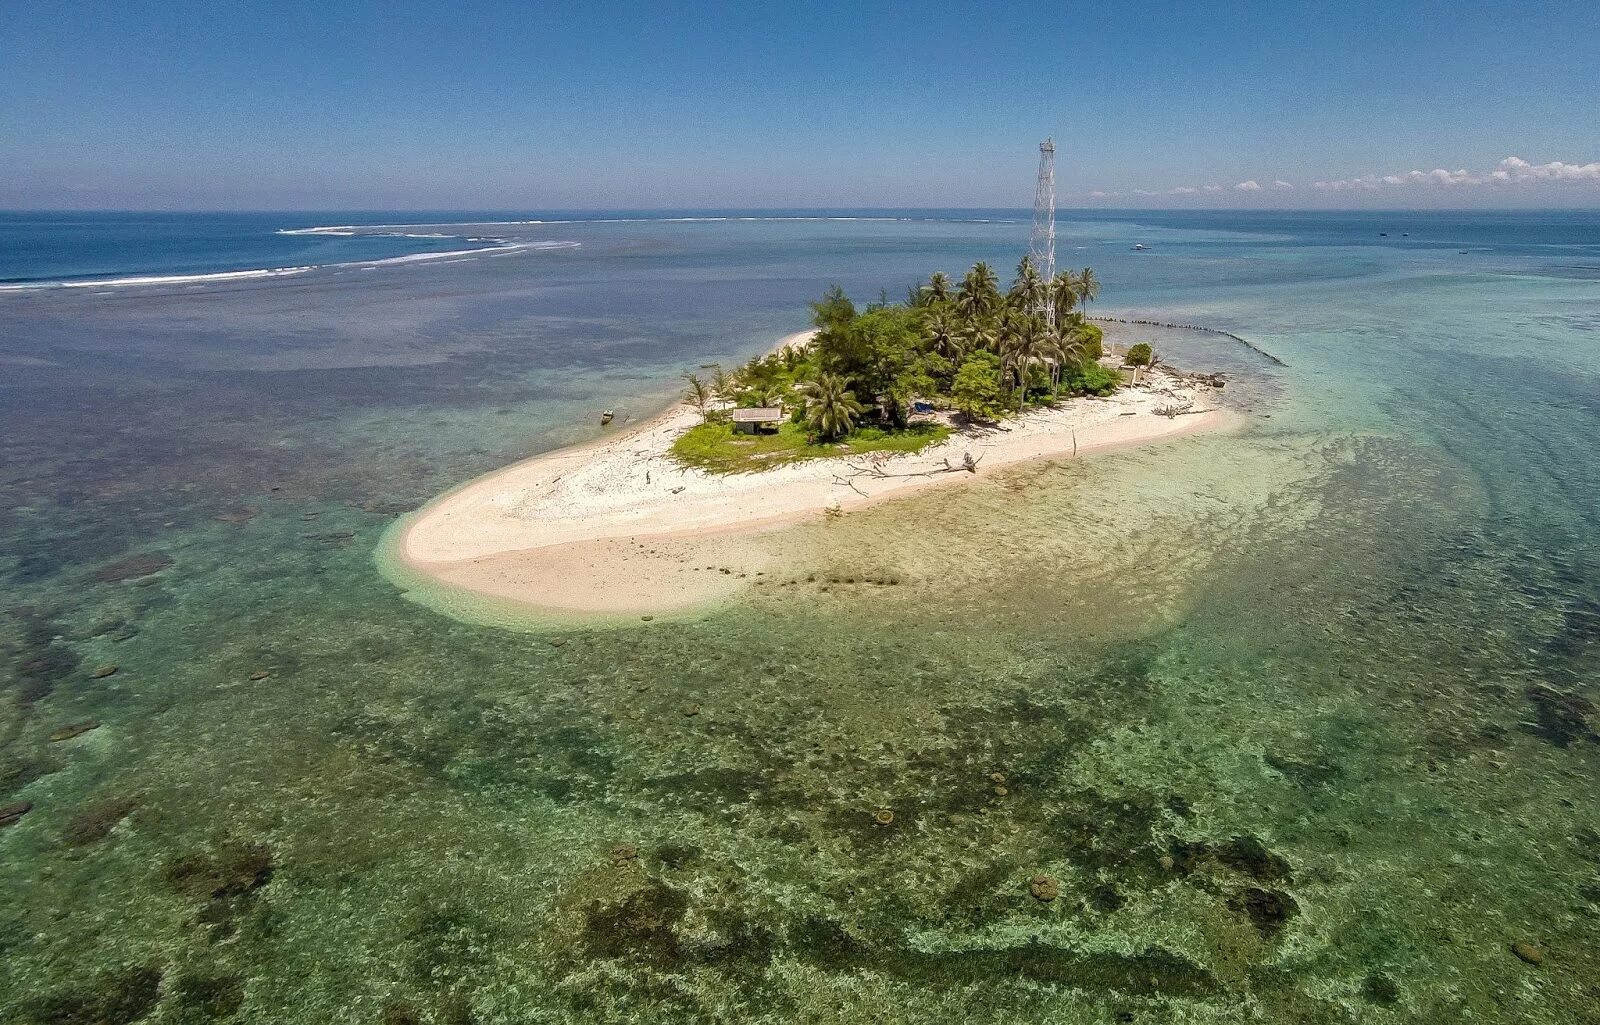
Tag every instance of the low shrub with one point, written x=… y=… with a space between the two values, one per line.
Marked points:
x=1093 y=340
x=1090 y=379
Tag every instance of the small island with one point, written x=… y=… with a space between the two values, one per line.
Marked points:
x=876 y=380
x=873 y=402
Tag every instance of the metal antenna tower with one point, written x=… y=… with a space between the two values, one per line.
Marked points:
x=1042 y=244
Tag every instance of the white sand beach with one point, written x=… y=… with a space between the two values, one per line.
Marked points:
x=619 y=526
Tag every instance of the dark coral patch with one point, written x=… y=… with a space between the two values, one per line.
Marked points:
x=1563 y=717
x=641 y=926
x=116 y=998
x=1250 y=856
x=96 y=821
x=44 y=663
x=1268 y=910
x=133 y=566
x=1243 y=854
x=227 y=879
x=1378 y=988
x=210 y=997
x=234 y=869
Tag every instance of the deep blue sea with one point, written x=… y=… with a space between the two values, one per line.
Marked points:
x=1301 y=720
x=55 y=247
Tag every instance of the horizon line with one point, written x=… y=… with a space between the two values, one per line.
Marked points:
x=197 y=211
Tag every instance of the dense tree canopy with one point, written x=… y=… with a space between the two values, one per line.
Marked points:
x=969 y=345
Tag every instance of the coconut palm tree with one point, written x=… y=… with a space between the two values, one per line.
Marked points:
x=1088 y=288
x=1064 y=294
x=980 y=336
x=942 y=332
x=770 y=394
x=723 y=386
x=1065 y=348
x=938 y=288
x=831 y=408
x=698 y=394
x=1027 y=292
x=1022 y=341
x=979 y=294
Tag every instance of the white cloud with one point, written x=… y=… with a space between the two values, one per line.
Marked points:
x=1515 y=169
x=1510 y=171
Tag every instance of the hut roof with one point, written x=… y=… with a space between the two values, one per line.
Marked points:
x=759 y=414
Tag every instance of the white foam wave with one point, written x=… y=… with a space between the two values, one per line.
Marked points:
x=454 y=256
x=347 y=230
x=161 y=279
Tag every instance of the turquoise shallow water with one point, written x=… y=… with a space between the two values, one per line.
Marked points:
x=1299 y=720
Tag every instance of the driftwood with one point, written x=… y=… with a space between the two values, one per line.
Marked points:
x=1173 y=410
x=876 y=471
x=847 y=482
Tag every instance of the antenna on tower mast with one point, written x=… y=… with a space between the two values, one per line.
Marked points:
x=1042 y=243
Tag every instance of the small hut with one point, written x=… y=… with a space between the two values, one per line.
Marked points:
x=757 y=419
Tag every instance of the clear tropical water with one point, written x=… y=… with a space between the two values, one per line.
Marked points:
x=1299 y=720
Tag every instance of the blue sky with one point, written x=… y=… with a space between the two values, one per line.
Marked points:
x=554 y=105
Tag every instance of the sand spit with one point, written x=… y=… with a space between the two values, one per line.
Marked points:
x=617 y=527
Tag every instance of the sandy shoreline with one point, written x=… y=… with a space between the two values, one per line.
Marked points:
x=615 y=526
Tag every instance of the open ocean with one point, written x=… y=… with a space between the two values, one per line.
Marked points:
x=1303 y=718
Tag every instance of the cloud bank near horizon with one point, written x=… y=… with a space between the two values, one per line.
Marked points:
x=1511 y=172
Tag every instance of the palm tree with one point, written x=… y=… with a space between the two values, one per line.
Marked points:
x=771 y=394
x=1088 y=288
x=1065 y=348
x=1064 y=294
x=722 y=385
x=698 y=394
x=942 y=334
x=980 y=335
x=1023 y=340
x=1027 y=293
x=938 y=288
x=979 y=294
x=831 y=408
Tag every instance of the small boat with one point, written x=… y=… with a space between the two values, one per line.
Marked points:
x=1383 y=234
x=1463 y=252
x=606 y=417
x=1139 y=247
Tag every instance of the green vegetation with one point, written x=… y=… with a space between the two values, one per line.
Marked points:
x=976 y=387
x=831 y=408
x=1093 y=341
x=1140 y=355
x=970 y=347
x=715 y=446
x=1092 y=379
